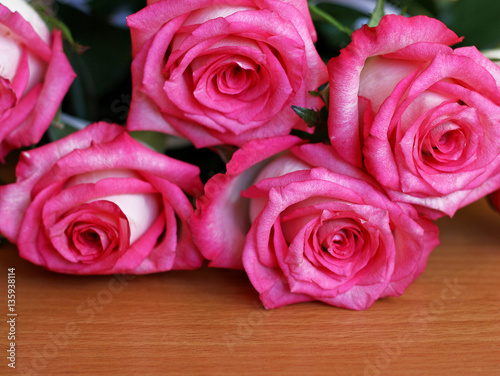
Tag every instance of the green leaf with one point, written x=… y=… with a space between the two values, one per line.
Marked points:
x=316 y=118
x=154 y=140
x=313 y=118
x=53 y=22
x=323 y=92
x=377 y=14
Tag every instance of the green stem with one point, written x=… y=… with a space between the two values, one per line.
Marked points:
x=377 y=14
x=329 y=18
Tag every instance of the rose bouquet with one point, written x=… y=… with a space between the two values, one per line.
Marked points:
x=314 y=158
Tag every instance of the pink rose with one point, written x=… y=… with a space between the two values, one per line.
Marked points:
x=224 y=71
x=422 y=117
x=318 y=228
x=34 y=76
x=98 y=202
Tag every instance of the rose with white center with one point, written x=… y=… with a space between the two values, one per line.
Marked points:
x=34 y=76
x=99 y=202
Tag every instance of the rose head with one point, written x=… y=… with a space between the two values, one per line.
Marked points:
x=317 y=228
x=423 y=119
x=328 y=233
x=224 y=71
x=34 y=76
x=98 y=202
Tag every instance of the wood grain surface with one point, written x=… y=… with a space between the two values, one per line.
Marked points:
x=210 y=321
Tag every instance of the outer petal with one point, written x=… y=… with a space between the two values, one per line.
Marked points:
x=111 y=155
x=221 y=220
x=269 y=282
x=185 y=254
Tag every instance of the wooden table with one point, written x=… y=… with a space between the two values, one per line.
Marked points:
x=210 y=321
